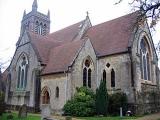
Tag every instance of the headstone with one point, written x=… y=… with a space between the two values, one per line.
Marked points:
x=22 y=111
x=121 y=113
x=45 y=112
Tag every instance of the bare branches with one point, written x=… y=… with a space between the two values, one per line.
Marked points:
x=118 y=2
x=150 y=9
x=4 y=64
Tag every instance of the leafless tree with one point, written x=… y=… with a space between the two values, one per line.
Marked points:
x=149 y=9
x=2 y=64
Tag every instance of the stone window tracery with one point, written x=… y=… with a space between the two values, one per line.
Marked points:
x=108 y=65
x=40 y=28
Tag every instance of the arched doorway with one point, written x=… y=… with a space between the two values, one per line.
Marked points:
x=45 y=96
x=45 y=102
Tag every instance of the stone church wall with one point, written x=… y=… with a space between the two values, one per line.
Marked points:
x=120 y=63
x=27 y=96
x=77 y=69
x=143 y=31
x=51 y=82
x=122 y=67
x=145 y=90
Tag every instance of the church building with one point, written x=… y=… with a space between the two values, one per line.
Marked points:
x=47 y=67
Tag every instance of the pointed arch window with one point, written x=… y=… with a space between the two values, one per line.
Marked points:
x=112 y=78
x=19 y=75
x=104 y=75
x=148 y=66
x=84 y=76
x=36 y=27
x=89 y=78
x=57 y=92
x=40 y=28
x=87 y=74
x=22 y=72
x=144 y=60
x=44 y=29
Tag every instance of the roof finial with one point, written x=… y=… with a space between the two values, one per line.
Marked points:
x=34 y=5
x=48 y=14
x=24 y=13
x=87 y=14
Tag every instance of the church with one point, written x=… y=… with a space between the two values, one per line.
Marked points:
x=47 y=67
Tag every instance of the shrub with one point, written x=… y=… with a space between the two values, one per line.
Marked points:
x=116 y=101
x=82 y=104
x=2 y=104
x=102 y=99
x=10 y=117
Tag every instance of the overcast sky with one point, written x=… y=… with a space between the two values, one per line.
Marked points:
x=62 y=13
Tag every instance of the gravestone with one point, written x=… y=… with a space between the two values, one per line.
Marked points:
x=45 y=112
x=22 y=111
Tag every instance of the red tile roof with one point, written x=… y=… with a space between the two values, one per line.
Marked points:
x=62 y=56
x=57 y=50
x=42 y=46
x=67 y=34
x=113 y=36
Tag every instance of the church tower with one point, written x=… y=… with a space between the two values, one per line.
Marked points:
x=35 y=21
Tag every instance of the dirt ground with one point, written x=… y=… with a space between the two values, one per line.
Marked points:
x=155 y=116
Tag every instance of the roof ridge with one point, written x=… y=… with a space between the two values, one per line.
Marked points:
x=65 y=27
x=120 y=17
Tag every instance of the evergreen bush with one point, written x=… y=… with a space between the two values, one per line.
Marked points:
x=101 y=99
x=2 y=104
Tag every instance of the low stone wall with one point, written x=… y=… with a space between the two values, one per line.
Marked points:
x=147 y=102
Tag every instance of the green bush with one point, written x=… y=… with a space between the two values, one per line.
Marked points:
x=102 y=99
x=10 y=117
x=116 y=101
x=82 y=104
x=2 y=104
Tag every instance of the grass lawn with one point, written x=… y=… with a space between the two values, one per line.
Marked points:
x=107 y=118
x=15 y=117
x=37 y=117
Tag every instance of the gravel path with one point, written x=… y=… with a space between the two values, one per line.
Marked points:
x=155 y=116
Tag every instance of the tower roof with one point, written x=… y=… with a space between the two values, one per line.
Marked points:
x=34 y=5
x=35 y=21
